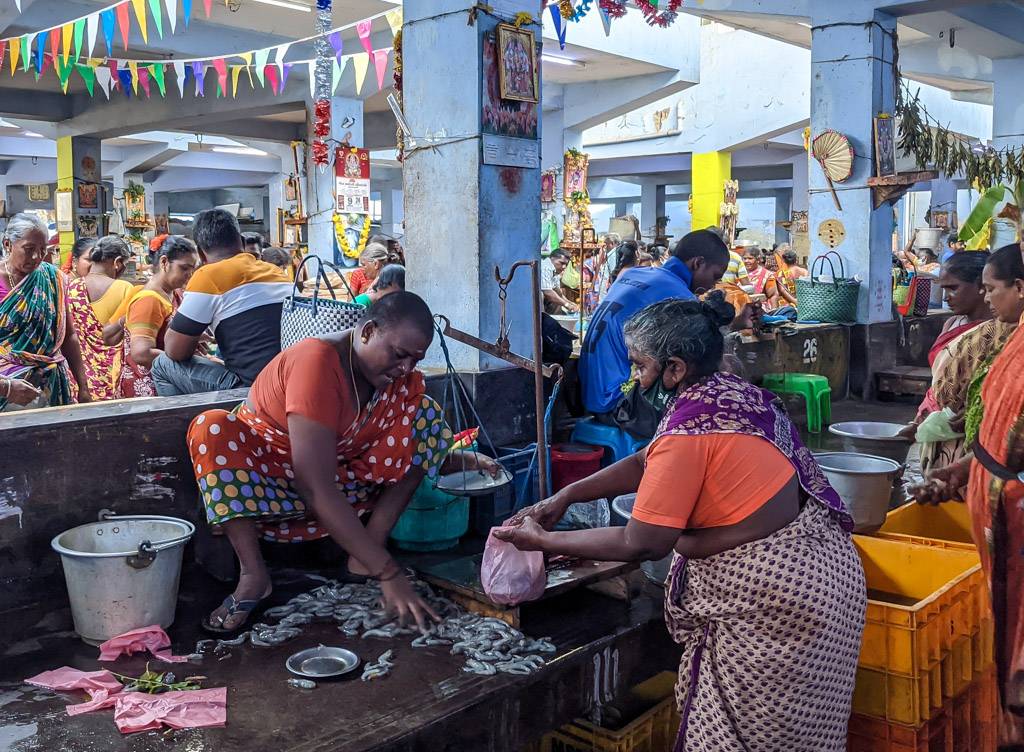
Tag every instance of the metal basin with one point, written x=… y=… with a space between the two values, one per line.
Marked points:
x=865 y=484
x=656 y=571
x=874 y=438
x=322 y=662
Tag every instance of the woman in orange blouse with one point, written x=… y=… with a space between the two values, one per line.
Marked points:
x=149 y=312
x=766 y=592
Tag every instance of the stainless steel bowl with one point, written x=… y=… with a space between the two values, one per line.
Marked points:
x=322 y=662
x=870 y=437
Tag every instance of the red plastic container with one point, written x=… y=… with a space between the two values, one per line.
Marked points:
x=573 y=462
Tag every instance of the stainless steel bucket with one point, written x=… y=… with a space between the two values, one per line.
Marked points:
x=122 y=572
x=656 y=571
x=864 y=482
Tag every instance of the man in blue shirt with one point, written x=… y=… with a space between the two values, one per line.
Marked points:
x=697 y=263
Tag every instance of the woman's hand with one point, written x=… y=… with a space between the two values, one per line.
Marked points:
x=942 y=484
x=401 y=598
x=83 y=395
x=526 y=536
x=20 y=392
x=908 y=432
x=545 y=513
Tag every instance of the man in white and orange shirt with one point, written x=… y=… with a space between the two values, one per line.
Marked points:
x=237 y=297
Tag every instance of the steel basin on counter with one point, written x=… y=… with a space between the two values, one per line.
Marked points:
x=873 y=438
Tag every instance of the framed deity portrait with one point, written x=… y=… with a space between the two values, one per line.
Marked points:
x=517 y=64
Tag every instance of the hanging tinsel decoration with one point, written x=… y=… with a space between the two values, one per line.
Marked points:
x=400 y=134
x=575 y=12
x=655 y=17
x=322 y=73
x=614 y=8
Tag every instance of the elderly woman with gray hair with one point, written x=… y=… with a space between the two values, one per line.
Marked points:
x=39 y=351
x=766 y=593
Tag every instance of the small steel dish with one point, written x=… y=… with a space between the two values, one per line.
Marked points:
x=472 y=482
x=322 y=662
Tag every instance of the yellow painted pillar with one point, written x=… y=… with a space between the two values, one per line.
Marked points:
x=65 y=182
x=710 y=170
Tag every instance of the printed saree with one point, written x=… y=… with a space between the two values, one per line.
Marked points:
x=102 y=363
x=33 y=322
x=771 y=630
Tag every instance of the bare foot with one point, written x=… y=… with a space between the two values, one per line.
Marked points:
x=250 y=587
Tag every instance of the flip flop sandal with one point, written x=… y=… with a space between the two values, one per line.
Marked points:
x=252 y=608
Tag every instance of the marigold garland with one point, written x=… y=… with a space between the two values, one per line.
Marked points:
x=341 y=223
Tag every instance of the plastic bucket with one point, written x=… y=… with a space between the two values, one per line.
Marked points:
x=656 y=571
x=433 y=521
x=573 y=462
x=864 y=482
x=122 y=572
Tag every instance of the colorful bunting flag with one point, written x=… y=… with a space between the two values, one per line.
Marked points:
x=41 y=48
x=103 y=79
x=556 y=17
x=79 y=34
x=17 y=4
x=394 y=19
x=172 y=13
x=179 y=75
x=156 y=72
x=139 y=6
x=88 y=74
x=107 y=18
x=92 y=27
x=285 y=70
x=133 y=70
x=26 y=47
x=380 y=62
x=337 y=43
x=186 y=11
x=363 y=29
x=206 y=5
x=246 y=56
x=143 y=76
x=360 y=64
x=235 y=70
x=606 y=21
x=63 y=72
x=222 y=75
x=199 y=74
x=67 y=35
x=122 y=22
x=15 y=53
x=125 y=77
x=260 y=57
x=3 y=49
x=279 y=54
x=271 y=73
x=154 y=8
x=54 y=38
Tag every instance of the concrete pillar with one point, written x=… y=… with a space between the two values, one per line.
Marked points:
x=1008 y=103
x=392 y=211
x=652 y=206
x=277 y=202
x=800 y=169
x=783 y=209
x=464 y=217
x=710 y=171
x=320 y=195
x=851 y=80
x=78 y=162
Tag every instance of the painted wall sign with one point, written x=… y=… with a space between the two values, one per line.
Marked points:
x=510 y=152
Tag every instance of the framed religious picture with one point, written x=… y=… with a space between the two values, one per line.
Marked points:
x=88 y=225
x=547 y=187
x=87 y=196
x=39 y=192
x=517 y=64
x=885 y=146
x=575 y=166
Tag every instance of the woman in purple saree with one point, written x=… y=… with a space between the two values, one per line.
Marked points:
x=766 y=593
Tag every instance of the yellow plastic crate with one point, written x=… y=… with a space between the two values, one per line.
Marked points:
x=958 y=668
x=946 y=523
x=983 y=646
x=921 y=601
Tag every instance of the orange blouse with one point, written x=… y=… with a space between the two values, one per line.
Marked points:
x=712 y=480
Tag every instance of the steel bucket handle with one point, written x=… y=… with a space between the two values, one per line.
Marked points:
x=147 y=551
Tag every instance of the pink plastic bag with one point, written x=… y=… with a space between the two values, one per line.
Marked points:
x=511 y=576
x=151 y=638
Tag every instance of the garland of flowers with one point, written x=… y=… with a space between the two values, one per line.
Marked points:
x=341 y=224
x=399 y=134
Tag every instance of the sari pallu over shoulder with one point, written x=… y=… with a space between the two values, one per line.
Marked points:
x=33 y=324
x=102 y=362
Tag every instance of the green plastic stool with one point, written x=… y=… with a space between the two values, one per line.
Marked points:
x=816 y=392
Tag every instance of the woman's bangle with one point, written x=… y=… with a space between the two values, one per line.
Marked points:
x=383 y=575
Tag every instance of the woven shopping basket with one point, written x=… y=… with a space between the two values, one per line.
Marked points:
x=833 y=301
x=311 y=317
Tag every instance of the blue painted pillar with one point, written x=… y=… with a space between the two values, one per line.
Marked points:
x=652 y=206
x=1007 y=95
x=320 y=198
x=465 y=211
x=851 y=82
x=801 y=166
x=783 y=207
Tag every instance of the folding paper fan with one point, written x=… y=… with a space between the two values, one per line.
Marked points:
x=835 y=155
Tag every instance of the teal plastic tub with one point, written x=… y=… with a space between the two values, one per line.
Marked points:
x=433 y=521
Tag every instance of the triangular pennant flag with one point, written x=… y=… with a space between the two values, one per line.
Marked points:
x=47 y=60
x=54 y=39
x=556 y=17
x=79 y=35
x=380 y=61
x=360 y=64
x=88 y=74
x=103 y=79
x=311 y=65
x=139 y=6
x=606 y=21
x=186 y=11
x=179 y=75
x=92 y=27
x=26 y=50
x=158 y=18
x=335 y=75
x=3 y=49
x=363 y=29
x=67 y=34
x=260 y=57
x=156 y=72
x=172 y=13
x=107 y=19
x=41 y=47
x=337 y=43
x=394 y=19
x=123 y=24
x=285 y=70
x=246 y=56
x=271 y=74
x=133 y=68
x=222 y=75
x=125 y=77
x=206 y=6
x=143 y=76
x=15 y=54
x=17 y=4
x=64 y=72
x=279 y=54
x=115 y=75
x=199 y=74
x=235 y=70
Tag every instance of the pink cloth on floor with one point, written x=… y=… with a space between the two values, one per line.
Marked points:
x=151 y=638
x=102 y=686
x=138 y=711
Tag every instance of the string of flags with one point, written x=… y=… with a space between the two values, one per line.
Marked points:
x=70 y=53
